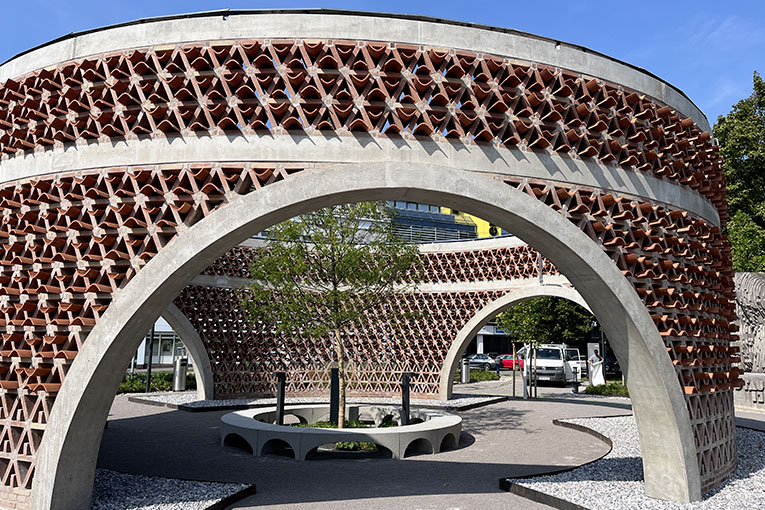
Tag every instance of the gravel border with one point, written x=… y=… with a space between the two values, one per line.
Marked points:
x=113 y=490
x=187 y=401
x=615 y=482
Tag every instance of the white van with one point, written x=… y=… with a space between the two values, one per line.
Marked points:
x=556 y=363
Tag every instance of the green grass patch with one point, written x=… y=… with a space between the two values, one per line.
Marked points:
x=612 y=389
x=160 y=381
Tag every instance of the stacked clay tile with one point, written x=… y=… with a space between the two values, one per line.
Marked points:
x=69 y=240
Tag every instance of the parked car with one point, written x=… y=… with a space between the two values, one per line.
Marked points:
x=506 y=361
x=482 y=362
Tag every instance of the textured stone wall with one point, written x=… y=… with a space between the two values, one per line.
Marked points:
x=750 y=308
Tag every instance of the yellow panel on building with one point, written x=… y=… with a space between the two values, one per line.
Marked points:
x=483 y=227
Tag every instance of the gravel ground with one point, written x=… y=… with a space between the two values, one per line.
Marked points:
x=119 y=491
x=615 y=482
x=189 y=399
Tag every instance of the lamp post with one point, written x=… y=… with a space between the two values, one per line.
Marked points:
x=148 y=365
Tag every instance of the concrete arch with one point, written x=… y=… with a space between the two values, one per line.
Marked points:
x=196 y=348
x=526 y=290
x=70 y=445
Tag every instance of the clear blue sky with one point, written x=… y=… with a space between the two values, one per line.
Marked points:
x=707 y=49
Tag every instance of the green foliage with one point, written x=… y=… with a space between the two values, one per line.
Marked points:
x=747 y=238
x=480 y=375
x=741 y=135
x=612 y=389
x=546 y=320
x=160 y=381
x=348 y=445
x=322 y=272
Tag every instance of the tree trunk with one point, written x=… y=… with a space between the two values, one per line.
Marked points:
x=341 y=379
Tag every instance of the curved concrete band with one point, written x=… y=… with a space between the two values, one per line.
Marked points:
x=360 y=149
x=617 y=233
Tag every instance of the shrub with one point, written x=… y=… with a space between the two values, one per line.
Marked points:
x=480 y=375
x=612 y=389
x=160 y=381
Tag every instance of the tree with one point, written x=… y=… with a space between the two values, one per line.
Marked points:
x=741 y=135
x=546 y=320
x=322 y=272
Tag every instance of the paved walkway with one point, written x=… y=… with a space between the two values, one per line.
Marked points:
x=506 y=439
x=551 y=393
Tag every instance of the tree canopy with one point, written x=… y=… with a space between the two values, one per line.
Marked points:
x=546 y=320
x=741 y=135
x=321 y=273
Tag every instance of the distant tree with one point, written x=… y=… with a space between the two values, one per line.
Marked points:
x=546 y=320
x=321 y=273
x=741 y=135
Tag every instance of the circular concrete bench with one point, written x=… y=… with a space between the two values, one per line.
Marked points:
x=432 y=432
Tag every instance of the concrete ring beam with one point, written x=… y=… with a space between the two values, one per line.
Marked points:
x=331 y=25
x=133 y=158
x=257 y=428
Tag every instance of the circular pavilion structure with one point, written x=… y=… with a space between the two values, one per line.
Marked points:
x=135 y=159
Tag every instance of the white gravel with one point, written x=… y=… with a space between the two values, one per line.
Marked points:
x=189 y=400
x=119 y=491
x=616 y=481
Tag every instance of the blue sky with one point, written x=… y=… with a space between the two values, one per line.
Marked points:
x=707 y=49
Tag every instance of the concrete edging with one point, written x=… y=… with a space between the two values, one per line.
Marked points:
x=547 y=499
x=229 y=500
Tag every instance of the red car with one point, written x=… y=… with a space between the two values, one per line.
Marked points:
x=506 y=361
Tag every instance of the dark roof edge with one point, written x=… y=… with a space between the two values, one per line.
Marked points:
x=413 y=17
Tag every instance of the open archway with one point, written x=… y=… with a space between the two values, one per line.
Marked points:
x=70 y=445
x=521 y=292
x=196 y=349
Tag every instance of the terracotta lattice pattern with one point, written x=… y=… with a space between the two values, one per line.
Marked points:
x=353 y=86
x=70 y=240
x=243 y=360
x=438 y=267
